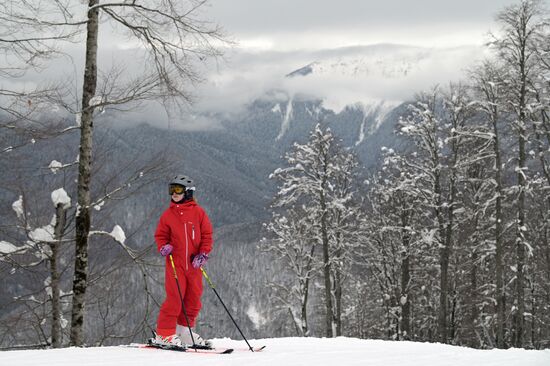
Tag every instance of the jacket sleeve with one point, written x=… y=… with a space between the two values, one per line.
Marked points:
x=162 y=233
x=205 y=245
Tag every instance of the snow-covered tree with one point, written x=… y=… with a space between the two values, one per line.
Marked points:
x=294 y=242
x=425 y=127
x=428 y=180
x=319 y=179
x=488 y=90
x=393 y=241
x=521 y=27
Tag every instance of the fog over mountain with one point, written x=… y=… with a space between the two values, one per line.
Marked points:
x=338 y=77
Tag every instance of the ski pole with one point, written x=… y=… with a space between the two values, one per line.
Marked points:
x=225 y=307
x=181 y=299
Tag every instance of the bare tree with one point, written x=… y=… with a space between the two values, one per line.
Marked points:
x=173 y=39
x=42 y=247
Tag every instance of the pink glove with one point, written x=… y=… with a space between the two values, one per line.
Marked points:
x=166 y=249
x=199 y=260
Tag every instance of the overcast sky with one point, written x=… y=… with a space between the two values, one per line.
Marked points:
x=275 y=38
x=299 y=24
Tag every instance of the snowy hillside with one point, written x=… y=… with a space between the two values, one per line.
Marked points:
x=288 y=352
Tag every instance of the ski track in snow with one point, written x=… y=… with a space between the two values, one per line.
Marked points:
x=287 y=352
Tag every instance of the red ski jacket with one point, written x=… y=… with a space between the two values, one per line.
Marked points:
x=187 y=228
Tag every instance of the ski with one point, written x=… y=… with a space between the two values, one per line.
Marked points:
x=254 y=349
x=181 y=349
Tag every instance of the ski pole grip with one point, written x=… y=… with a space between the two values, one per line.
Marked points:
x=207 y=278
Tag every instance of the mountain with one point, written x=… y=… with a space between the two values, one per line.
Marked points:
x=231 y=165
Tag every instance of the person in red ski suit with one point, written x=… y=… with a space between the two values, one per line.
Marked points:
x=184 y=232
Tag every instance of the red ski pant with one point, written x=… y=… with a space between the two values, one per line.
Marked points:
x=171 y=311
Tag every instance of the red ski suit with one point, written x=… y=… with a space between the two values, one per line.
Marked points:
x=187 y=228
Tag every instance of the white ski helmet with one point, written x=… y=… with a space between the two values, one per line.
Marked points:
x=183 y=180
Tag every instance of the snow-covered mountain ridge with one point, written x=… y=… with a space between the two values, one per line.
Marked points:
x=385 y=62
x=288 y=352
x=363 y=66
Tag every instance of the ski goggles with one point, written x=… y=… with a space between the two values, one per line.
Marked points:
x=176 y=188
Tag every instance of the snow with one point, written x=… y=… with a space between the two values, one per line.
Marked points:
x=428 y=236
x=362 y=130
x=376 y=110
x=42 y=234
x=17 y=206
x=96 y=100
x=55 y=166
x=118 y=234
x=60 y=196
x=277 y=109
x=286 y=120
x=288 y=352
x=98 y=206
x=7 y=248
x=254 y=316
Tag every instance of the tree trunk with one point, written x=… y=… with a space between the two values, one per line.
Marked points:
x=338 y=282
x=326 y=269
x=445 y=251
x=305 y=326
x=83 y=218
x=305 y=329
x=60 y=218
x=520 y=237
x=474 y=298
x=499 y=250
x=338 y=297
x=443 y=265
x=405 y=282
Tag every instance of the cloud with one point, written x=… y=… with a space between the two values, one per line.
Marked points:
x=382 y=72
x=340 y=77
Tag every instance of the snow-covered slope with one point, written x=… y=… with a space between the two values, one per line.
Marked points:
x=287 y=352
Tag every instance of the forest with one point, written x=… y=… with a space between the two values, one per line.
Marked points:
x=448 y=241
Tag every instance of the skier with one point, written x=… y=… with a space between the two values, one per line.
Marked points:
x=184 y=233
